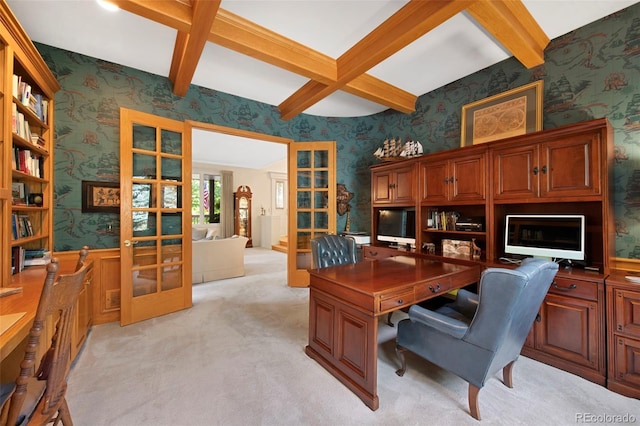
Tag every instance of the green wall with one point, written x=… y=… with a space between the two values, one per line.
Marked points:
x=590 y=73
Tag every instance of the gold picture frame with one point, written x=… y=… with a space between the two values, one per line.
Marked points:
x=511 y=113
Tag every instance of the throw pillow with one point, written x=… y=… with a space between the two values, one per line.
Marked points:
x=198 y=234
x=211 y=233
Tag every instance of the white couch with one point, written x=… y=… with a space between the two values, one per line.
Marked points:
x=216 y=259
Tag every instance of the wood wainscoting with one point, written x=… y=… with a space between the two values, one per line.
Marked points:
x=105 y=283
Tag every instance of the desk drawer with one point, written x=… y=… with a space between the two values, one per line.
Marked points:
x=397 y=300
x=574 y=288
x=433 y=288
x=374 y=253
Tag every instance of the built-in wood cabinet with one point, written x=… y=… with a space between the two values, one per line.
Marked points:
x=462 y=178
x=623 y=315
x=83 y=314
x=566 y=170
x=394 y=185
x=569 y=166
x=27 y=90
x=569 y=331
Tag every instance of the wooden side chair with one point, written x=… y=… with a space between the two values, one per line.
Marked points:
x=39 y=398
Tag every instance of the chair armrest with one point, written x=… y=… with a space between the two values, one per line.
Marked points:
x=438 y=321
x=466 y=303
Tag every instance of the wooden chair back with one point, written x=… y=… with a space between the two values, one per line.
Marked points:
x=59 y=297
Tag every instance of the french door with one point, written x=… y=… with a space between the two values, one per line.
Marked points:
x=312 y=204
x=155 y=213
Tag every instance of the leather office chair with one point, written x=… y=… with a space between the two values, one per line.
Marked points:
x=39 y=398
x=477 y=335
x=332 y=250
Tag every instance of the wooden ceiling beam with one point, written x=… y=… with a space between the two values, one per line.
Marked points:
x=507 y=20
x=243 y=36
x=405 y=26
x=174 y=14
x=187 y=54
x=513 y=26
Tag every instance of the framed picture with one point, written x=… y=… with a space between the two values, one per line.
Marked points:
x=279 y=194
x=511 y=113
x=100 y=197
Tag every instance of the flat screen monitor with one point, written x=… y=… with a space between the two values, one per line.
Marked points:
x=397 y=226
x=554 y=236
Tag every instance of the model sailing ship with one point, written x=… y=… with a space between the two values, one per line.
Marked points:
x=394 y=149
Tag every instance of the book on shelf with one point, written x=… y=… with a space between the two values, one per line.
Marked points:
x=21 y=226
x=18 y=193
x=29 y=162
x=43 y=257
x=15 y=88
x=17 y=259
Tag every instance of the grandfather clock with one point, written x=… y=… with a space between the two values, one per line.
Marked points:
x=242 y=212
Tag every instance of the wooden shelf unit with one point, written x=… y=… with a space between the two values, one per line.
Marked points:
x=562 y=170
x=18 y=56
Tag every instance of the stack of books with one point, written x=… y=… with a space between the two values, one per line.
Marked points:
x=37 y=257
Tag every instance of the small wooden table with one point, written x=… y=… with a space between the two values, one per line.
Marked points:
x=345 y=303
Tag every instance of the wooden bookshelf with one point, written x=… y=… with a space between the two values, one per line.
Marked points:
x=26 y=158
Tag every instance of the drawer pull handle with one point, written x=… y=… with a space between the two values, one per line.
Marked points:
x=400 y=301
x=373 y=253
x=434 y=289
x=571 y=287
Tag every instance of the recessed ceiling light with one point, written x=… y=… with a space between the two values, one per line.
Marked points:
x=108 y=5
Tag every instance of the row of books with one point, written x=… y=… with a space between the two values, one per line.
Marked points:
x=22 y=91
x=21 y=226
x=21 y=127
x=28 y=162
x=35 y=257
x=21 y=257
x=443 y=220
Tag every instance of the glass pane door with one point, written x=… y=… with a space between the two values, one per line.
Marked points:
x=313 y=203
x=153 y=190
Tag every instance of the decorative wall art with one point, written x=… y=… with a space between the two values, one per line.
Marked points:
x=100 y=196
x=511 y=113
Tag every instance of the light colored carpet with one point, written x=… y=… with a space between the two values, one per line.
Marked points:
x=237 y=358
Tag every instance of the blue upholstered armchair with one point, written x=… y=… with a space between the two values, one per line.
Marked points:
x=477 y=335
x=331 y=250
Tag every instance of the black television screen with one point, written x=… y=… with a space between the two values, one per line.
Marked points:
x=546 y=235
x=397 y=226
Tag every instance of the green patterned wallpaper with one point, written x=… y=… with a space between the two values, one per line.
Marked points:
x=590 y=73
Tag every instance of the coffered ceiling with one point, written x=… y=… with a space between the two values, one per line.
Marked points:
x=324 y=57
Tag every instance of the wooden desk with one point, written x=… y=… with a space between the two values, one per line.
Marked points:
x=346 y=301
x=31 y=280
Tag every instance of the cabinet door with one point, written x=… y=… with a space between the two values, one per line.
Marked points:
x=381 y=187
x=569 y=329
x=515 y=172
x=468 y=177
x=435 y=179
x=627 y=364
x=627 y=313
x=570 y=167
x=403 y=186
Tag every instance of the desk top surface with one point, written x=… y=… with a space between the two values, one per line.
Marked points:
x=31 y=280
x=381 y=275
